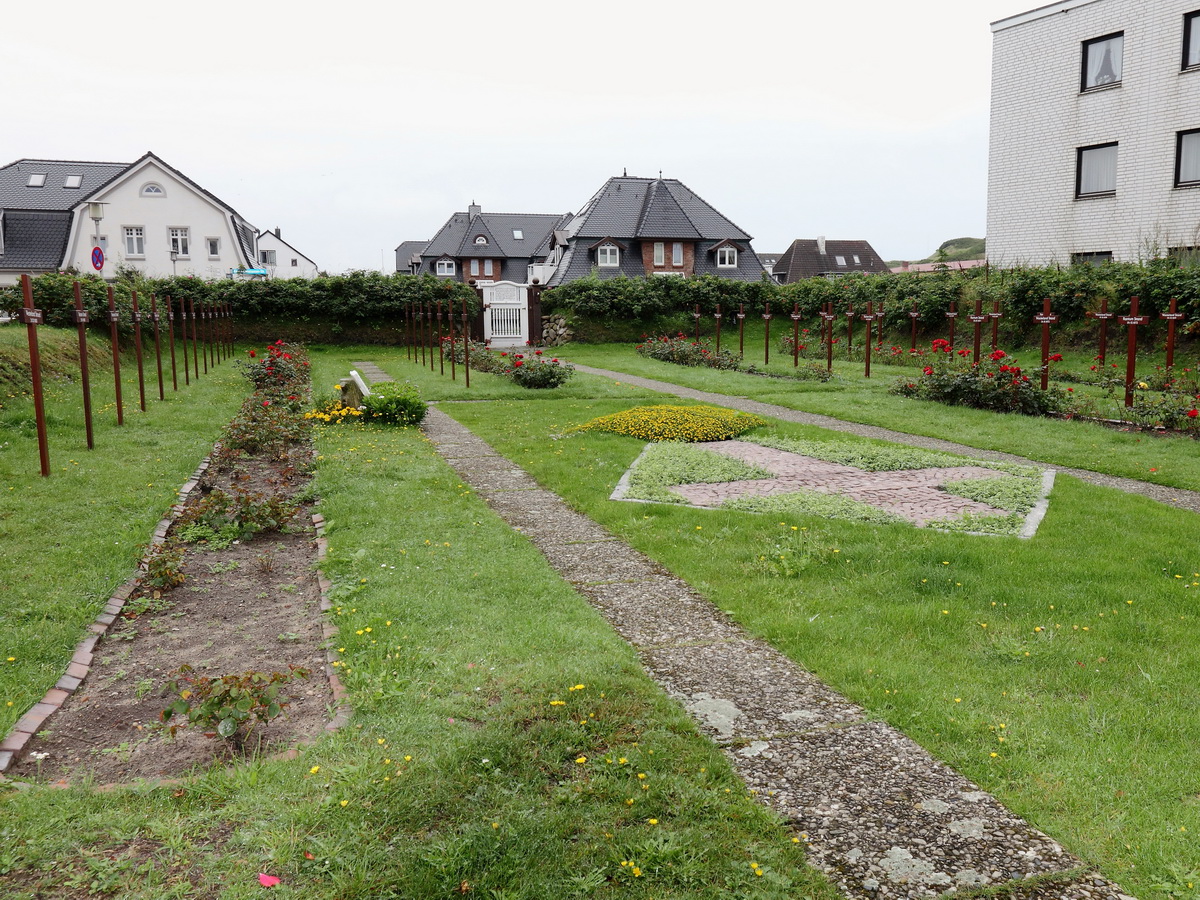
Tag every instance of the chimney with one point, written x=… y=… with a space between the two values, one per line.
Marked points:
x=277 y=232
x=904 y=265
x=473 y=210
x=821 y=245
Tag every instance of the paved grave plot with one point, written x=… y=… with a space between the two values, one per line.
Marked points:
x=879 y=815
x=914 y=494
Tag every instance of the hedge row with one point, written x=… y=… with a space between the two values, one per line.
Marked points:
x=359 y=304
x=1072 y=291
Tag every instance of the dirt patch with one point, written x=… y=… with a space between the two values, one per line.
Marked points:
x=254 y=605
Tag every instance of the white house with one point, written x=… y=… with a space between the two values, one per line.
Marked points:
x=281 y=259
x=1095 y=132
x=152 y=218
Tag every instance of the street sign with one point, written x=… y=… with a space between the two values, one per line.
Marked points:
x=97 y=258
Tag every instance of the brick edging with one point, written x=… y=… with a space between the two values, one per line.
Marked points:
x=81 y=660
x=13 y=745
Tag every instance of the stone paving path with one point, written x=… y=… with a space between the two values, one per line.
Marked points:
x=913 y=494
x=1177 y=497
x=880 y=816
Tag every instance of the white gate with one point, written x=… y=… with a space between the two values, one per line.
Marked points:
x=506 y=314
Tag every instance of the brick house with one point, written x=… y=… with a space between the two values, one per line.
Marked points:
x=1095 y=132
x=651 y=226
x=484 y=247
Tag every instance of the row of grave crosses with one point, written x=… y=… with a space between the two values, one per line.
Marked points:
x=211 y=339
x=977 y=318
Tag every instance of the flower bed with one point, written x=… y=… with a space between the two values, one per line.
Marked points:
x=676 y=423
x=682 y=351
x=997 y=384
x=528 y=369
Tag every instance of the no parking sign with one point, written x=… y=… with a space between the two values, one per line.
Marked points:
x=97 y=258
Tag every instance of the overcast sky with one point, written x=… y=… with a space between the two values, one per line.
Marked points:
x=353 y=126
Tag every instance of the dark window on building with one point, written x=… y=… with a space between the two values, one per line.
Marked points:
x=1102 y=61
x=1096 y=171
x=1191 y=39
x=1187 y=158
x=1097 y=258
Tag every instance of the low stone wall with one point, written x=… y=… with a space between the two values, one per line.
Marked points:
x=555 y=331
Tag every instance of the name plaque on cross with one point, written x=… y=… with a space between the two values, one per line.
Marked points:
x=1045 y=319
x=80 y=316
x=27 y=316
x=978 y=318
x=114 y=315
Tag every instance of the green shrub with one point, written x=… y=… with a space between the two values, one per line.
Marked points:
x=536 y=370
x=394 y=403
x=682 y=351
x=676 y=423
x=997 y=384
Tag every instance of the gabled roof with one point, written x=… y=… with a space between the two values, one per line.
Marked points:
x=34 y=239
x=652 y=208
x=15 y=192
x=406 y=250
x=805 y=259
x=272 y=234
x=456 y=237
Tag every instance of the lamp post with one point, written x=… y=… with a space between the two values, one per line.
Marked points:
x=174 y=259
x=95 y=213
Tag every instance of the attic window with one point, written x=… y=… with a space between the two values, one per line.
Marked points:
x=726 y=257
x=840 y=260
x=37 y=180
x=857 y=261
x=73 y=181
x=153 y=190
x=518 y=234
x=608 y=255
x=480 y=239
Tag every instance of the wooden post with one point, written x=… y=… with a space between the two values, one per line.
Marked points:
x=408 y=331
x=868 y=317
x=421 y=331
x=850 y=328
x=81 y=320
x=914 y=315
x=113 y=318
x=995 y=315
x=1102 y=317
x=696 y=316
x=32 y=318
x=1173 y=316
x=195 y=342
x=1045 y=318
x=453 y=373
x=205 y=333
x=171 y=342
x=952 y=315
x=977 y=319
x=795 y=334
x=741 y=317
x=717 y=316
x=767 y=335
x=137 y=351
x=429 y=318
x=466 y=333
x=441 y=347
x=183 y=343
x=827 y=317
x=162 y=394
x=1132 y=321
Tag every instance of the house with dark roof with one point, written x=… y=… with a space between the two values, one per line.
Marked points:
x=652 y=226
x=145 y=215
x=485 y=247
x=819 y=258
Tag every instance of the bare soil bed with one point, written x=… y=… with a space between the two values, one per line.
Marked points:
x=254 y=605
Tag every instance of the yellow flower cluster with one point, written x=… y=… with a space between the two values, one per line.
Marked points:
x=676 y=423
x=337 y=414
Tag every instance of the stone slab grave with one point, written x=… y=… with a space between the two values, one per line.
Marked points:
x=912 y=494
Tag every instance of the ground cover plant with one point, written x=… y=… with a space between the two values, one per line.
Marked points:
x=663 y=465
x=499 y=734
x=849 y=397
x=1055 y=672
x=675 y=423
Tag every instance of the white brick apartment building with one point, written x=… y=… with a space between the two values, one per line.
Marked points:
x=1095 y=132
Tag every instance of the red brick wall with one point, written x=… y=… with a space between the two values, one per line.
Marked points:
x=689 y=258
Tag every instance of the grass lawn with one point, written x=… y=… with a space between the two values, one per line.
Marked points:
x=1171 y=461
x=505 y=742
x=1058 y=672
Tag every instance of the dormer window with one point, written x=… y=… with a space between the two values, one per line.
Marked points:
x=153 y=190
x=445 y=267
x=37 y=180
x=73 y=182
x=480 y=239
x=608 y=255
x=726 y=257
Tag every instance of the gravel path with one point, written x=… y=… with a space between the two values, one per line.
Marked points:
x=1176 y=497
x=879 y=815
